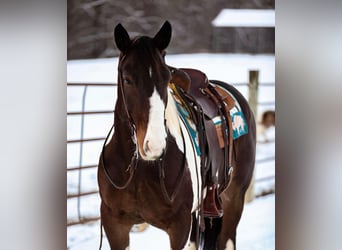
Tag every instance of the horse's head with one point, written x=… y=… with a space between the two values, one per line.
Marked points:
x=143 y=79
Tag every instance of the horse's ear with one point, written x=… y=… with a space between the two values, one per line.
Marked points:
x=163 y=37
x=121 y=38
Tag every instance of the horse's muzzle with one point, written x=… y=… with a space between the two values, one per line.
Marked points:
x=153 y=150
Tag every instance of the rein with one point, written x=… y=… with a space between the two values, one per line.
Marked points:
x=131 y=167
x=180 y=178
x=161 y=167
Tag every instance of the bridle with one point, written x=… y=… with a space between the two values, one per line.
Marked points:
x=134 y=161
x=121 y=86
x=135 y=158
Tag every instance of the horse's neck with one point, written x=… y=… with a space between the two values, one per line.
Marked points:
x=172 y=121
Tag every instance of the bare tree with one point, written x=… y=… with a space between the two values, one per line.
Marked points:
x=91 y=23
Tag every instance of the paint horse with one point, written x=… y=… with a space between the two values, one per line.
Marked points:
x=149 y=170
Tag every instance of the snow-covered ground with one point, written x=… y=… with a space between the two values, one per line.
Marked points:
x=256 y=229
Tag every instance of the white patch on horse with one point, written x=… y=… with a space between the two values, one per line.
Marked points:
x=176 y=128
x=172 y=121
x=194 y=162
x=191 y=246
x=230 y=245
x=155 y=138
x=150 y=71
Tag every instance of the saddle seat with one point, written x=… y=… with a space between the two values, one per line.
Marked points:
x=214 y=164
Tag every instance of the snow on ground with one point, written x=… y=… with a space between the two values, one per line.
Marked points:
x=232 y=68
x=256 y=229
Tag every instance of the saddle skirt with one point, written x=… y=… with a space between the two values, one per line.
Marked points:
x=239 y=125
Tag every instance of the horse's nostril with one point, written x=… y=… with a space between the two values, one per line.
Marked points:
x=147 y=148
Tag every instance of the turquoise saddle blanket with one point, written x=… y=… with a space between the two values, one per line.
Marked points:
x=239 y=123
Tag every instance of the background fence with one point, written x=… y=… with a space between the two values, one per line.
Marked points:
x=78 y=171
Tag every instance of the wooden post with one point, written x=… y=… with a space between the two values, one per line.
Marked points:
x=253 y=87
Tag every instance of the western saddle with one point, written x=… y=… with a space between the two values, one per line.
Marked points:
x=205 y=101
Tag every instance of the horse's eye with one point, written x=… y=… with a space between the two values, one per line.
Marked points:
x=127 y=81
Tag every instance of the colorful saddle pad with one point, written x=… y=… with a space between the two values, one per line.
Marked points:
x=239 y=124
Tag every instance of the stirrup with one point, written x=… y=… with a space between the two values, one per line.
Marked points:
x=212 y=207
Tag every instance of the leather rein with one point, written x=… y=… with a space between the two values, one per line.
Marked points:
x=135 y=158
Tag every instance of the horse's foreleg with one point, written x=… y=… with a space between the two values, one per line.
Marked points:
x=179 y=231
x=116 y=231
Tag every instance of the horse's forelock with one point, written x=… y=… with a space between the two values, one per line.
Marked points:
x=145 y=60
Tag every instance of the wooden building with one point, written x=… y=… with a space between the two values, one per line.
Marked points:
x=244 y=31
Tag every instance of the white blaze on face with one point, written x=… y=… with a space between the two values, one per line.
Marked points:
x=155 y=138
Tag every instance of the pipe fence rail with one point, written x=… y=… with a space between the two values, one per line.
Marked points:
x=81 y=140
